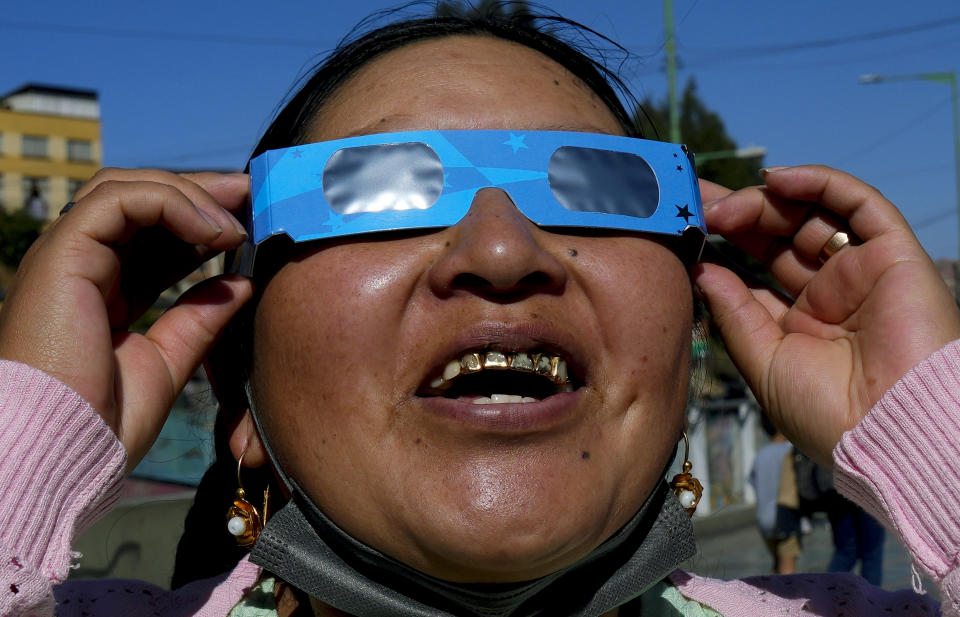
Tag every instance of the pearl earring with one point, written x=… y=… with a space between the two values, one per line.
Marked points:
x=687 y=488
x=243 y=521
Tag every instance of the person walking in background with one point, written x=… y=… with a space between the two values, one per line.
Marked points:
x=35 y=206
x=857 y=536
x=774 y=481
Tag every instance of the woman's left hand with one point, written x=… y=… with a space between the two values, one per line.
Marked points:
x=859 y=321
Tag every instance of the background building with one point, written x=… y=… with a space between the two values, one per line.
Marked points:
x=49 y=146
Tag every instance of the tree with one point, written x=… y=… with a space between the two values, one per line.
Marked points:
x=517 y=10
x=703 y=131
x=17 y=233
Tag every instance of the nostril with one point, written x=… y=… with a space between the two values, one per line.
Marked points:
x=534 y=282
x=535 y=279
x=468 y=280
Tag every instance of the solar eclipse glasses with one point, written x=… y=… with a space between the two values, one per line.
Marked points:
x=428 y=179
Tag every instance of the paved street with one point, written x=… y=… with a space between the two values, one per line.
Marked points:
x=731 y=547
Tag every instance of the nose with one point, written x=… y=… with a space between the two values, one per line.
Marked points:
x=496 y=252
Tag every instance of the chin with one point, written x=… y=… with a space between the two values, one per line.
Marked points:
x=507 y=521
x=496 y=552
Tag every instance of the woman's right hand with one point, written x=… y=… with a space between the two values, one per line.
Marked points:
x=97 y=268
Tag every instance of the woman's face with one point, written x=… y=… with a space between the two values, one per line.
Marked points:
x=350 y=335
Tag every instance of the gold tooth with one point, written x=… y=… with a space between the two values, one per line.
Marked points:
x=547 y=365
x=470 y=363
x=521 y=361
x=542 y=362
x=495 y=360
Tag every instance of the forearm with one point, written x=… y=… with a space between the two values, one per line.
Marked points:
x=900 y=464
x=61 y=469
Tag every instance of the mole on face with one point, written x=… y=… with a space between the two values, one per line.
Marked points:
x=584 y=455
x=572 y=252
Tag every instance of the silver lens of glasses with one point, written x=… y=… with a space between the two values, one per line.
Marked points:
x=594 y=180
x=404 y=176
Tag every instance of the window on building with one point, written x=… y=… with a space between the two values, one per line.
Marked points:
x=73 y=185
x=42 y=185
x=79 y=150
x=35 y=146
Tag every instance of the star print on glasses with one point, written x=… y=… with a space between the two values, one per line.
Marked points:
x=428 y=179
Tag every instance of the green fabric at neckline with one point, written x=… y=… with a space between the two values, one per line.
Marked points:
x=661 y=600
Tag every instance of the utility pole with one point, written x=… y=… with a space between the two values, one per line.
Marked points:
x=949 y=78
x=671 y=47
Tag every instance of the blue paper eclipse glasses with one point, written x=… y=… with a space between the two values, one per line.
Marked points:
x=428 y=179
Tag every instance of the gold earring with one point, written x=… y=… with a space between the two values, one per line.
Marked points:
x=687 y=488
x=243 y=521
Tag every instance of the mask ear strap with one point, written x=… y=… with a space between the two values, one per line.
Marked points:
x=248 y=390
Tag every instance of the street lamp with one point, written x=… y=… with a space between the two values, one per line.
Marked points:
x=949 y=78
x=750 y=152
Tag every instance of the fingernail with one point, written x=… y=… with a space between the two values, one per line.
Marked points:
x=237 y=225
x=766 y=170
x=212 y=222
x=712 y=203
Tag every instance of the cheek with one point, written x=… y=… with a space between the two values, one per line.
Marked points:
x=644 y=302
x=326 y=333
x=334 y=300
x=645 y=312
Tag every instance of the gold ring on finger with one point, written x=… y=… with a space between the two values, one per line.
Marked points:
x=836 y=242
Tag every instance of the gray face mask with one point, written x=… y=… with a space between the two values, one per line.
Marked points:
x=306 y=549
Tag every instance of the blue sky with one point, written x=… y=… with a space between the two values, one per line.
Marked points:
x=192 y=84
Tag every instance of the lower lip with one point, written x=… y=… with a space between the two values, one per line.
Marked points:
x=507 y=418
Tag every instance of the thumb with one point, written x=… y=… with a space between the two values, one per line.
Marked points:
x=746 y=319
x=156 y=367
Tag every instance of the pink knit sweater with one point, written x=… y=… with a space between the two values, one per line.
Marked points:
x=62 y=468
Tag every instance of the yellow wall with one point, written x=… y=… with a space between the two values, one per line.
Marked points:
x=14 y=125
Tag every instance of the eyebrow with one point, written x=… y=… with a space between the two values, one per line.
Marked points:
x=574 y=129
x=375 y=128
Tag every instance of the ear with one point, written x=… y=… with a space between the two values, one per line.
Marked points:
x=245 y=441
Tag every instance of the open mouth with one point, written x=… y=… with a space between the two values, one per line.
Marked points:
x=495 y=377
